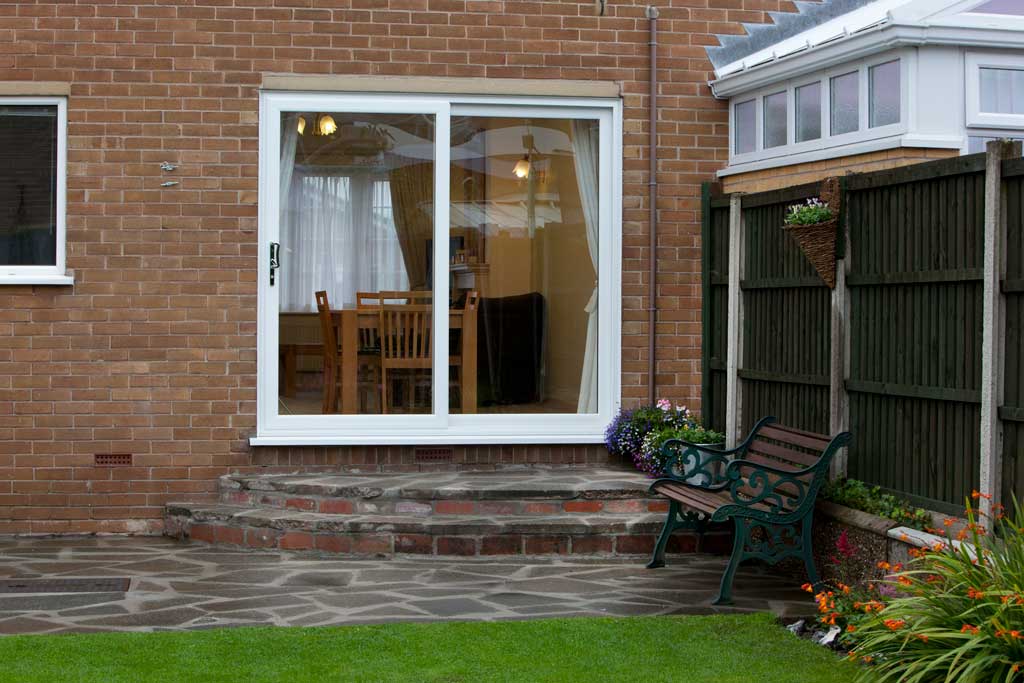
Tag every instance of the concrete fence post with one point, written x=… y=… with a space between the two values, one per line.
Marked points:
x=994 y=322
x=734 y=341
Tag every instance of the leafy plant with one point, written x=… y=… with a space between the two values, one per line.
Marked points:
x=859 y=496
x=809 y=213
x=650 y=459
x=639 y=433
x=960 y=615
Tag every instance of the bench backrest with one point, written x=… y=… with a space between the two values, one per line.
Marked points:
x=777 y=445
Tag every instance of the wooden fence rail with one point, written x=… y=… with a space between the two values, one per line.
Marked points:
x=917 y=348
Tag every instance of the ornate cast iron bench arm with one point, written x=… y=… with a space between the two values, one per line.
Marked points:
x=708 y=463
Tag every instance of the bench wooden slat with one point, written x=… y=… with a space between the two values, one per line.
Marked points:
x=805 y=439
x=705 y=501
x=781 y=456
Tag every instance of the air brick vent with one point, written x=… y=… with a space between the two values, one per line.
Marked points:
x=113 y=460
x=434 y=454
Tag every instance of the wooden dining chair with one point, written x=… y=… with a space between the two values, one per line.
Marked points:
x=368 y=372
x=407 y=340
x=466 y=336
x=331 y=354
x=408 y=297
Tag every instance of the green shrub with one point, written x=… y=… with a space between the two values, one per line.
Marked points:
x=650 y=459
x=959 y=614
x=859 y=496
x=814 y=211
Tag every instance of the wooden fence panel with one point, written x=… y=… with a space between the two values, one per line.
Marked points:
x=915 y=293
x=1012 y=410
x=786 y=338
x=715 y=311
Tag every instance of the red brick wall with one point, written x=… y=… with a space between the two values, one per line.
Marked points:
x=152 y=352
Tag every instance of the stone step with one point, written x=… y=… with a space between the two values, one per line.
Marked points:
x=381 y=535
x=422 y=494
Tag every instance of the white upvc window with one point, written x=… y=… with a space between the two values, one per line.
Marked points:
x=463 y=252
x=995 y=90
x=33 y=190
x=847 y=105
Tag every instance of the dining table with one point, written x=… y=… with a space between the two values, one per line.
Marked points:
x=350 y=321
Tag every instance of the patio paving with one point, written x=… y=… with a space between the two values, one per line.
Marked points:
x=177 y=586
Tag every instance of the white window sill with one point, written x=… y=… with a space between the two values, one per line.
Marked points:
x=15 y=279
x=445 y=438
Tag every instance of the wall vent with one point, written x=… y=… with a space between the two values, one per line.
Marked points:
x=113 y=460
x=434 y=454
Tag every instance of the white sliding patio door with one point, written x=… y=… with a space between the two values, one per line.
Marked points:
x=438 y=270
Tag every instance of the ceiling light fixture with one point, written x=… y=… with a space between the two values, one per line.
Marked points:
x=326 y=125
x=525 y=165
x=301 y=126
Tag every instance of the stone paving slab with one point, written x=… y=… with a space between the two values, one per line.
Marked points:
x=180 y=586
x=588 y=483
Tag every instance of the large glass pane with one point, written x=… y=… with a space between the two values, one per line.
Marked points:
x=745 y=116
x=884 y=94
x=28 y=185
x=808 y=112
x=845 y=103
x=1002 y=91
x=356 y=234
x=524 y=265
x=775 y=120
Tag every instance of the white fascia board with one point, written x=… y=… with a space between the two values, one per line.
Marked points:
x=871 y=41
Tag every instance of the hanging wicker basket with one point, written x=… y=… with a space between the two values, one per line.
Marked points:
x=818 y=240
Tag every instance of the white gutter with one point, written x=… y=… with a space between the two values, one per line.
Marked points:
x=867 y=42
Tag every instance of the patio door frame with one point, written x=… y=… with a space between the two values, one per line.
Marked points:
x=439 y=427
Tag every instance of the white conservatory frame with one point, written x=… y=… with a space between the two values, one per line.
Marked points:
x=274 y=429
x=941 y=45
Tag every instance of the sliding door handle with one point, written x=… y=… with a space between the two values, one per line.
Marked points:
x=275 y=260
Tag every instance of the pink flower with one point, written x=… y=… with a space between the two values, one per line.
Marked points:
x=664 y=404
x=844 y=546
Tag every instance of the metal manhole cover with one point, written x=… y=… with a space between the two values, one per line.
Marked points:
x=104 y=585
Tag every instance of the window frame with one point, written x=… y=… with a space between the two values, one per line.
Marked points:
x=974 y=62
x=827 y=141
x=441 y=427
x=55 y=274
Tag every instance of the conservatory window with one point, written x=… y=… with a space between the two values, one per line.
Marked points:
x=845 y=106
x=775 y=115
x=884 y=94
x=808 y=112
x=745 y=125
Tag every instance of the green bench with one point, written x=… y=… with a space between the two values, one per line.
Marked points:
x=766 y=486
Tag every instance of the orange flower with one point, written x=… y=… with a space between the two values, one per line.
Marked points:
x=1017 y=667
x=975 y=594
x=967 y=628
x=867 y=659
x=808 y=587
x=922 y=637
x=948 y=522
x=904 y=581
x=978 y=494
x=894 y=624
x=884 y=565
x=851 y=628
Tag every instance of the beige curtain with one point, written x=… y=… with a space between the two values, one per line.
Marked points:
x=412 y=195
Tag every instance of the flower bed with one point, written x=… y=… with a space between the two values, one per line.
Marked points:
x=638 y=434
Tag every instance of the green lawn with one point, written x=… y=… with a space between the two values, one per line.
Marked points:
x=719 y=649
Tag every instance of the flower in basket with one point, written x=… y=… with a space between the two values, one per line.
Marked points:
x=809 y=213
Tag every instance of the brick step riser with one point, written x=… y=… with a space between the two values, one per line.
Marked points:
x=426 y=508
x=391 y=544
